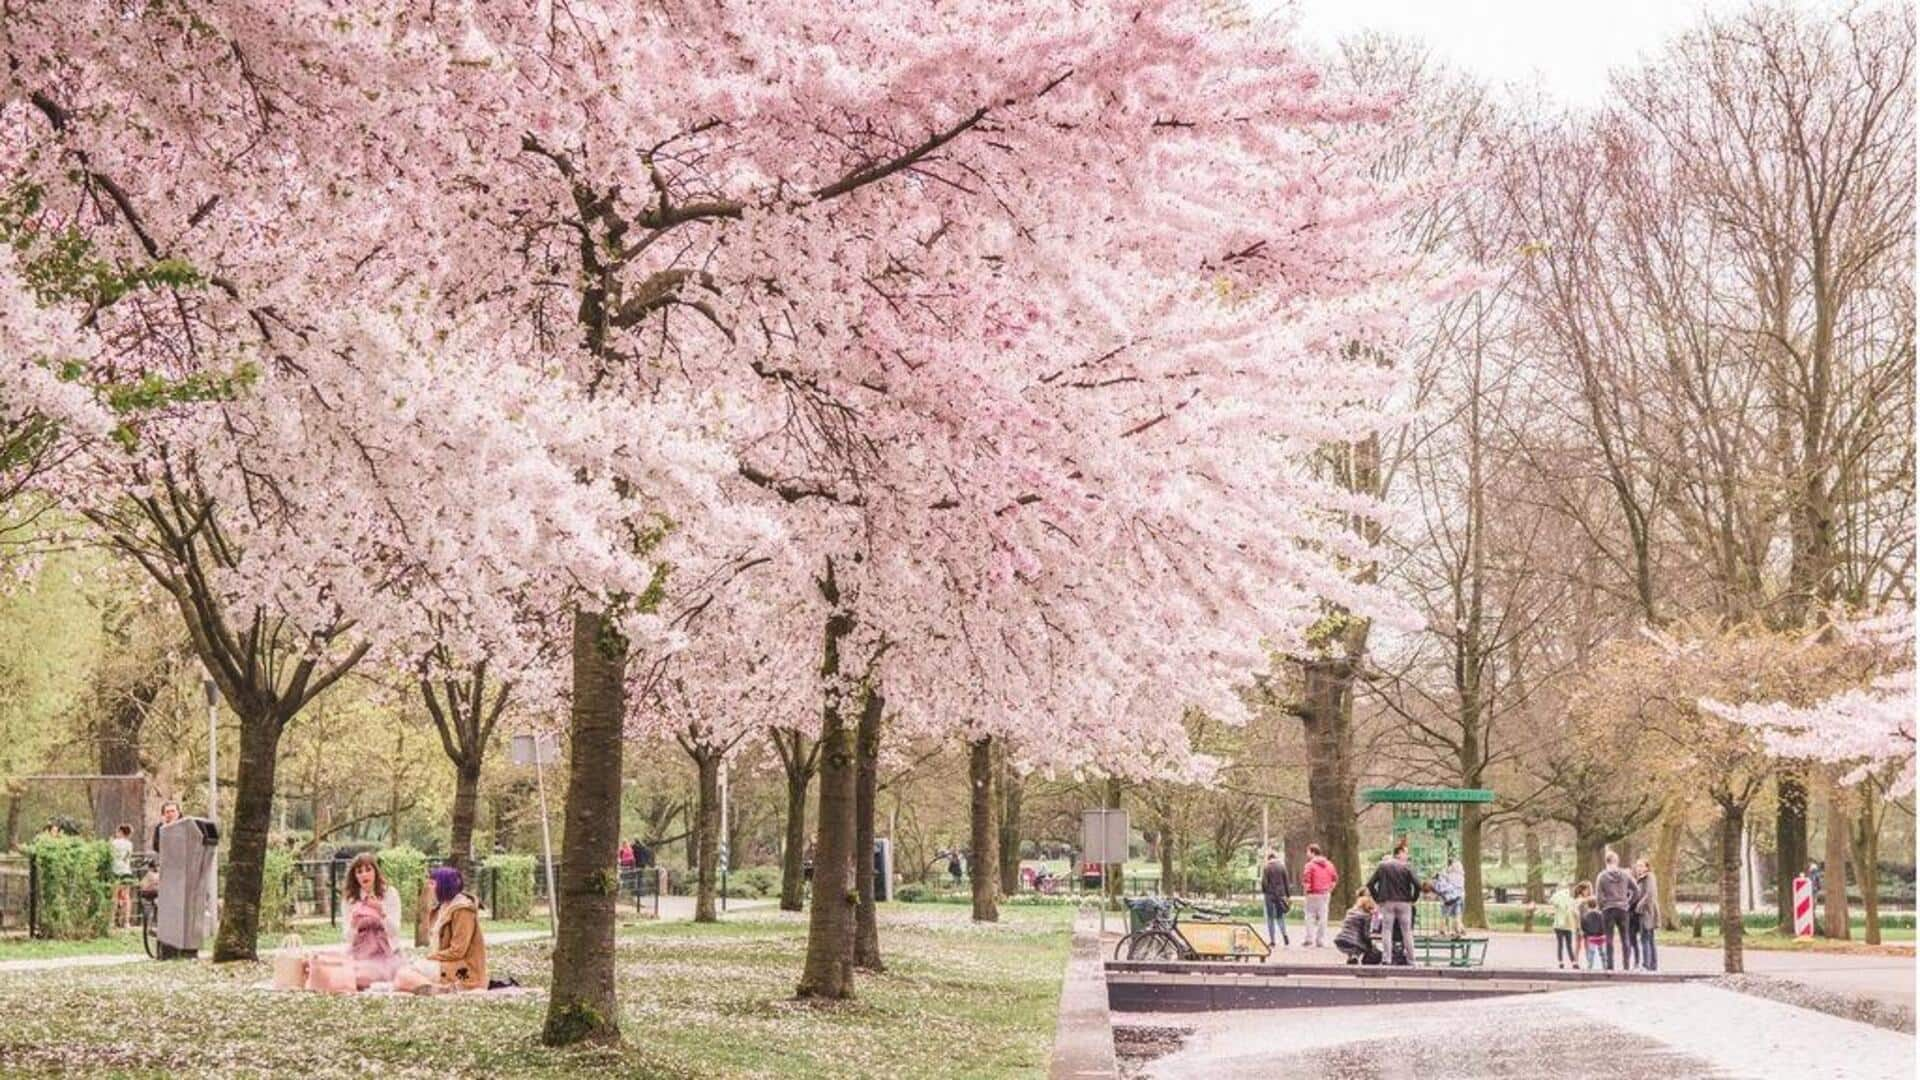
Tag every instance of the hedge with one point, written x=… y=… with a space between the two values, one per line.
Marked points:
x=405 y=869
x=75 y=881
x=512 y=885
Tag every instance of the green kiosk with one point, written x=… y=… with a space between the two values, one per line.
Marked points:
x=1428 y=819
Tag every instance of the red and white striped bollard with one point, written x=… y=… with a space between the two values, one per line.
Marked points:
x=1802 y=906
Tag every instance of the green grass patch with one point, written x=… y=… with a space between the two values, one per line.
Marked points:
x=696 y=1001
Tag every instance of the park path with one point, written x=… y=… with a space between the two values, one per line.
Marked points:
x=1889 y=979
x=1638 y=1032
x=672 y=909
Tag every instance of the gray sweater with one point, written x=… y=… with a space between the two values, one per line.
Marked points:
x=1614 y=889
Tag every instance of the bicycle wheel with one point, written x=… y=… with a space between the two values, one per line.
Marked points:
x=1153 y=945
x=148 y=940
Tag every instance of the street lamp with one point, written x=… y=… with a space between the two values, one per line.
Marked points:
x=213 y=787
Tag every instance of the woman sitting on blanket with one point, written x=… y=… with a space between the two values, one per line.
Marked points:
x=373 y=922
x=459 y=957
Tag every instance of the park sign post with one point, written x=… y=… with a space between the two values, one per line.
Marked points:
x=1103 y=840
x=540 y=751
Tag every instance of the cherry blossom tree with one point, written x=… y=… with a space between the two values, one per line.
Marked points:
x=1868 y=729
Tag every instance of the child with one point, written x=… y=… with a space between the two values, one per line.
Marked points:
x=1566 y=923
x=1593 y=926
x=1355 y=939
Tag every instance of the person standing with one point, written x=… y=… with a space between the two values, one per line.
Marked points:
x=1593 y=930
x=1317 y=880
x=122 y=845
x=1646 y=912
x=1395 y=887
x=1566 y=924
x=1451 y=887
x=1614 y=891
x=1274 y=886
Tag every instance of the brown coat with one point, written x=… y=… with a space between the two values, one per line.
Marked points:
x=459 y=947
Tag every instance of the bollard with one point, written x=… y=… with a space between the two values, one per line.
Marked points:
x=1802 y=906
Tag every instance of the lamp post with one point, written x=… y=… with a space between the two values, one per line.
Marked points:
x=723 y=834
x=213 y=787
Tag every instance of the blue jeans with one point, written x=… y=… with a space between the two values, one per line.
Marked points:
x=1648 y=960
x=1276 y=922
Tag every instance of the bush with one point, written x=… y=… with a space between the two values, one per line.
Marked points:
x=513 y=882
x=913 y=893
x=276 y=890
x=405 y=869
x=75 y=882
x=754 y=883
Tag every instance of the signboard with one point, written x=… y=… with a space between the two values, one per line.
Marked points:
x=1432 y=833
x=1103 y=836
x=533 y=750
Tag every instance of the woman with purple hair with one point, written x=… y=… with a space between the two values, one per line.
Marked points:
x=459 y=948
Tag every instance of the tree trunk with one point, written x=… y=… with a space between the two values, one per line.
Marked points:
x=828 y=972
x=866 y=796
x=1472 y=841
x=117 y=734
x=1866 y=860
x=466 y=796
x=1838 y=928
x=1167 y=842
x=1326 y=714
x=1732 y=923
x=1506 y=847
x=1588 y=851
x=799 y=771
x=1012 y=790
x=1666 y=858
x=1789 y=839
x=984 y=867
x=706 y=821
x=1536 y=874
x=247 y=838
x=581 y=1005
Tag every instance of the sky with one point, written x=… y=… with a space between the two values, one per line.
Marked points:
x=1566 y=47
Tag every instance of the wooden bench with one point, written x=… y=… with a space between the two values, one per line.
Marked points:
x=1435 y=949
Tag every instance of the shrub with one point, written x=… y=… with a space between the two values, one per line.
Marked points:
x=276 y=890
x=913 y=893
x=754 y=883
x=75 y=881
x=405 y=869
x=513 y=882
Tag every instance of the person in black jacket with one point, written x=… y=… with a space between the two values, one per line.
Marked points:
x=1395 y=887
x=1355 y=939
x=1274 y=886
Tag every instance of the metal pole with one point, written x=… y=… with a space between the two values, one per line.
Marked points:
x=213 y=793
x=723 y=834
x=546 y=835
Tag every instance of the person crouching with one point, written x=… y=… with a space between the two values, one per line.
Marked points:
x=1355 y=939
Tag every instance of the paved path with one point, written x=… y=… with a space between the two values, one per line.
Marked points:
x=1886 y=978
x=1639 y=1032
x=1083 y=1036
x=672 y=909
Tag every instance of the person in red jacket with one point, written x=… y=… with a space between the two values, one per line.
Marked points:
x=1317 y=880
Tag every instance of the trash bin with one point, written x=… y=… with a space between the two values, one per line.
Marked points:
x=188 y=848
x=1499 y=894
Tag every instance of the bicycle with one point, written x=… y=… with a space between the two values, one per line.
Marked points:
x=1205 y=935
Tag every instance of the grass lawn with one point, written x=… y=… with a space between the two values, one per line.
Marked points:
x=697 y=1001
x=122 y=942
x=1894 y=940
